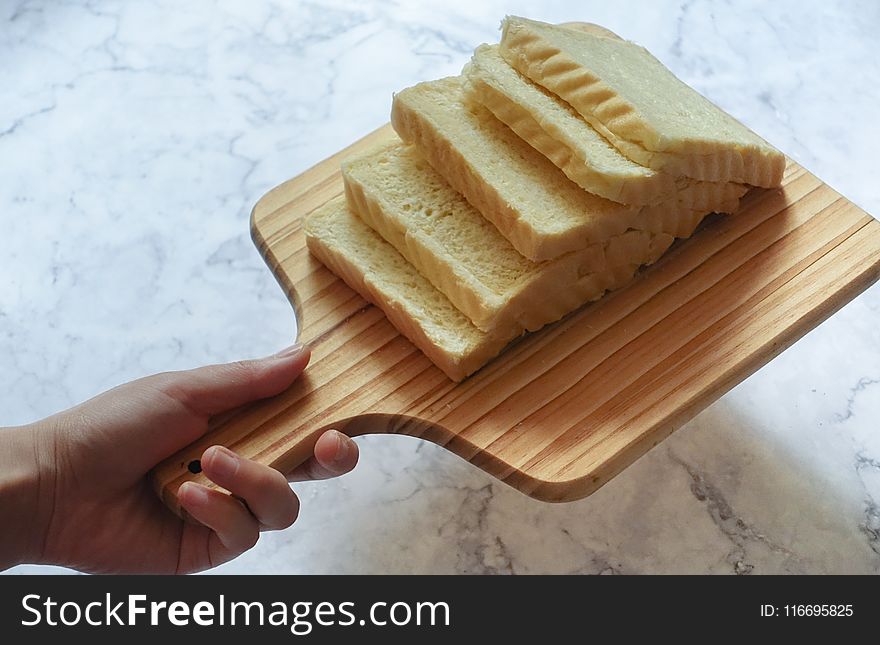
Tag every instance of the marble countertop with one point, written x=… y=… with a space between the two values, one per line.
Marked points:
x=135 y=137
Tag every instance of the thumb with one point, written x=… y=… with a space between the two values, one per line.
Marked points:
x=210 y=390
x=134 y=426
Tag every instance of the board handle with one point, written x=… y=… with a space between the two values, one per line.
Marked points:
x=272 y=444
x=272 y=432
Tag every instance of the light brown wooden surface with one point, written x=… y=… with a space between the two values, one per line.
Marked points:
x=565 y=409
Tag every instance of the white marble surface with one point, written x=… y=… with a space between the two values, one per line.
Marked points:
x=134 y=138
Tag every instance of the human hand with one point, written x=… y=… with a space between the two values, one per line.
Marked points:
x=74 y=488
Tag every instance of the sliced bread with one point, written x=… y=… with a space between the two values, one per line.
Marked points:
x=553 y=128
x=641 y=107
x=371 y=266
x=398 y=194
x=529 y=200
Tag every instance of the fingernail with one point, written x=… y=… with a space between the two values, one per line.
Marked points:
x=342 y=446
x=287 y=352
x=195 y=493
x=224 y=462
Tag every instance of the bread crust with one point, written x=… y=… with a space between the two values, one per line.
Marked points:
x=526 y=48
x=628 y=183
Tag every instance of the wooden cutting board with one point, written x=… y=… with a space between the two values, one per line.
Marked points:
x=565 y=409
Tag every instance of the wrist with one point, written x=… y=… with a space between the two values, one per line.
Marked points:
x=26 y=494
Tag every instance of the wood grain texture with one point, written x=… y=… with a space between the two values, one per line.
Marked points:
x=564 y=409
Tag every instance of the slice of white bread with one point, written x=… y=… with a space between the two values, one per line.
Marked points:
x=529 y=200
x=553 y=128
x=371 y=266
x=639 y=105
x=398 y=194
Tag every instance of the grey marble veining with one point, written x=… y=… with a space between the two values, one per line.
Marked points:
x=134 y=138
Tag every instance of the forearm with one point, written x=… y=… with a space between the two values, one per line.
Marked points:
x=25 y=494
